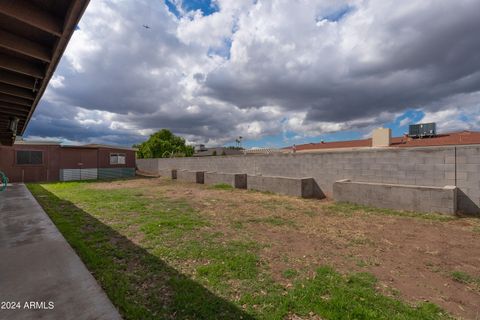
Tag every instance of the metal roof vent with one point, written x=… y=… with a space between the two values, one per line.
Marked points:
x=422 y=130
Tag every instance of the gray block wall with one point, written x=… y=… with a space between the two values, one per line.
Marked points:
x=236 y=180
x=396 y=196
x=190 y=176
x=167 y=173
x=432 y=166
x=298 y=187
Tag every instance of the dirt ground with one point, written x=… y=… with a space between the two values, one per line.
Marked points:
x=413 y=258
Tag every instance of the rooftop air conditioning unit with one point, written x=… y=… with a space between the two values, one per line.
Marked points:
x=422 y=130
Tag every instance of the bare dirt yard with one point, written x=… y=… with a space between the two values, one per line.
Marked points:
x=416 y=258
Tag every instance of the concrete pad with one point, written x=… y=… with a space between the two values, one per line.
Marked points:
x=236 y=180
x=38 y=265
x=397 y=196
x=190 y=176
x=298 y=187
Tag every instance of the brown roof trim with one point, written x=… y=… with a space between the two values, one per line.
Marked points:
x=99 y=146
x=446 y=139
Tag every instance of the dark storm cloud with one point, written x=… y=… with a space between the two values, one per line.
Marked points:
x=286 y=69
x=420 y=57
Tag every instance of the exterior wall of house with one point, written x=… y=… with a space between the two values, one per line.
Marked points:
x=104 y=158
x=428 y=166
x=48 y=171
x=78 y=158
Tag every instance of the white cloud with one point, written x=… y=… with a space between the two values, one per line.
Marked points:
x=258 y=68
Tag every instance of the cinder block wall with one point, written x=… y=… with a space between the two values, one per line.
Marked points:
x=397 y=196
x=431 y=166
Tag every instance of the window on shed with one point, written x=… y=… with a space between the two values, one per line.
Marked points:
x=29 y=157
x=117 y=158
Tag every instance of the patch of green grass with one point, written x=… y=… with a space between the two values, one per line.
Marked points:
x=140 y=279
x=334 y=296
x=349 y=209
x=237 y=225
x=463 y=277
x=361 y=263
x=476 y=229
x=289 y=273
x=174 y=264
x=222 y=186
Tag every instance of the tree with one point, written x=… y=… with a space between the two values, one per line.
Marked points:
x=163 y=144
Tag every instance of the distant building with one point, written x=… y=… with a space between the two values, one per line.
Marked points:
x=202 y=151
x=381 y=138
x=260 y=151
x=199 y=148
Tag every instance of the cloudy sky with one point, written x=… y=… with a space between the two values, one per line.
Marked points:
x=276 y=72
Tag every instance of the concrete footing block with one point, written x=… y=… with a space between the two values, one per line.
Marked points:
x=168 y=173
x=236 y=180
x=298 y=187
x=396 y=196
x=190 y=176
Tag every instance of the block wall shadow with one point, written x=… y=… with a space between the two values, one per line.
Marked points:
x=317 y=191
x=166 y=293
x=465 y=205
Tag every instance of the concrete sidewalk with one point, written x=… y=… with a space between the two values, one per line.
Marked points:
x=38 y=268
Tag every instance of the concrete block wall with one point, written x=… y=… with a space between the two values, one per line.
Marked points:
x=167 y=173
x=429 y=166
x=190 y=176
x=236 y=180
x=397 y=196
x=298 y=187
x=468 y=178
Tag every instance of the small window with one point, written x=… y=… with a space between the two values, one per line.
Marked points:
x=117 y=158
x=29 y=157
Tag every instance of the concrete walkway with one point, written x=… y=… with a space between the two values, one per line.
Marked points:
x=40 y=270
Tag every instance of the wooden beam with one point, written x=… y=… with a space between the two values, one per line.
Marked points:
x=30 y=14
x=12 y=113
x=16 y=79
x=21 y=66
x=13 y=106
x=15 y=100
x=24 y=46
x=16 y=91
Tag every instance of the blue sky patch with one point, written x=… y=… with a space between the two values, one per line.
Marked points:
x=206 y=6
x=172 y=8
x=401 y=123
x=223 y=51
x=399 y=126
x=337 y=15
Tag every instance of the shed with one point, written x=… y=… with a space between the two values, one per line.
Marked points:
x=35 y=161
